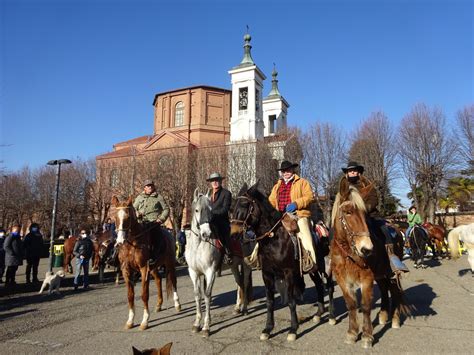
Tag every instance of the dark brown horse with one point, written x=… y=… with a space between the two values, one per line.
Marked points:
x=357 y=259
x=103 y=248
x=134 y=254
x=278 y=256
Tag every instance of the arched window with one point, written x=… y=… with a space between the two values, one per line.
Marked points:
x=179 y=114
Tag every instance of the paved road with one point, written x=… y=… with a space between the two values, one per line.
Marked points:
x=91 y=322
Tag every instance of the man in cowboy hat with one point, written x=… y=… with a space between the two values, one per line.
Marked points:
x=353 y=175
x=221 y=199
x=151 y=209
x=293 y=194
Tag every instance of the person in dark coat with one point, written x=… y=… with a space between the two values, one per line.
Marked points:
x=221 y=200
x=13 y=254
x=32 y=245
x=2 y=254
x=83 y=252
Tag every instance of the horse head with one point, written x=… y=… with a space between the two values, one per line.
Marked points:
x=348 y=219
x=201 y=221
x=124 y=217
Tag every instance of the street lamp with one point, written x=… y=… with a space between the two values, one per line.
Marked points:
x=53 y=223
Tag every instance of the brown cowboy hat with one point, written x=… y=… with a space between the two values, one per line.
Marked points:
x=215 y=177
x=352 y=165
x=285 y=165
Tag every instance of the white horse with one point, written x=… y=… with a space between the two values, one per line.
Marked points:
x=203 y=256
x=465 y=234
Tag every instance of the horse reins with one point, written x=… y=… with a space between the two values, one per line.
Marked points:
x=351 y=235
x=139 y=235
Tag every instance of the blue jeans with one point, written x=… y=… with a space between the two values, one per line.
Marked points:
x=82 y=264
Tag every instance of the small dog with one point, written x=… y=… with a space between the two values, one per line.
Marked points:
x=53 y=281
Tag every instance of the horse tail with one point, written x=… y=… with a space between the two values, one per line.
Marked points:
x=453 y=241
x=406 y=308
x=170 y=281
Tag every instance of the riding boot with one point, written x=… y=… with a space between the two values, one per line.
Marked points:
x=113 y=259
x=152 y=259
x=395 y=263
x=227 y=256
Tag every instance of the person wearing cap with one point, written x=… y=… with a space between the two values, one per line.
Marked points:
x=413 y=219
x=32 y=245
x=353 y=174
x=221 y=200
x=2 y=254
x=293 y=194
x=151 y=209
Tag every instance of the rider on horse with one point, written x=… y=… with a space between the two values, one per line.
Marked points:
x=293 y=194
x=353 y=175
x=152 y=211
x=413 y=219
x=221 y=200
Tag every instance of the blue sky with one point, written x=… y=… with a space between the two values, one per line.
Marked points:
x=78 y=76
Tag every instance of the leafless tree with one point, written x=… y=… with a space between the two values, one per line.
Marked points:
x=465 y=120
x=428 y=154
x=374 y=146
x=324 y=151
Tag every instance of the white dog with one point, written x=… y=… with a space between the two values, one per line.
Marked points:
x=53 y=281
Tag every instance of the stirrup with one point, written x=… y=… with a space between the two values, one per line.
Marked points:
x=398 y=265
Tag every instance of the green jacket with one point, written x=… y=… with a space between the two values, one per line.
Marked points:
x=151 y=207
x=413 y=219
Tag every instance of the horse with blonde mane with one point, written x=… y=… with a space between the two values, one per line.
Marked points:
x=465 y=234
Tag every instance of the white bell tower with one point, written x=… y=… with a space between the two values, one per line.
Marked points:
x=275 y=109
x=246 y=123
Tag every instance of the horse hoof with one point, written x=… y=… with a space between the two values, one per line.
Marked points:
x=157 y=309
x=350 y=339
x=291 y=337
x=178 y=308
x=332 y=321
x=195 y=329
x=264 y=336
x=128 y=325
x=316 y=319
x=236 y=312
x=205 y=333
x=366 y=343
x=395 y=324
x=143 y=326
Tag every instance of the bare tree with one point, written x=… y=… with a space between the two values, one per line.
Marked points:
x=428 y=154
x=374 y=147
x=465 y=120
x=324 y=151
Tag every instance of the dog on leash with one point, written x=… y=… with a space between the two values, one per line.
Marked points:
x=53 y=280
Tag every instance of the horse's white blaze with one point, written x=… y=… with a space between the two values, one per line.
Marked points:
x=131 y=315
x=120 y=230
x=120 y=237
x=205 y=230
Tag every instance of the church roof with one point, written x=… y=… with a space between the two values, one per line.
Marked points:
x=190 y=88
x=138 y=140
x=125 y=152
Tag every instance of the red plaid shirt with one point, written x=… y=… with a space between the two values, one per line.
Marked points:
x=284 y=197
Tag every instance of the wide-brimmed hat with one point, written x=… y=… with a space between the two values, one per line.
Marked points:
x=148 y=182
x=352 y=165
x=285 y=165
x=215 y=177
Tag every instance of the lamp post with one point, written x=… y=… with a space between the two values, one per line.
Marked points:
x=53 y=223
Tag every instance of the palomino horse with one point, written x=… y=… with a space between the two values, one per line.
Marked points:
x=465 y=234
x=277 y=254
x=203 y=255
x=357 y=260
x=134 y=254
x=437 y=234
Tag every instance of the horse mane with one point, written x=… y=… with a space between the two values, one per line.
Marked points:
x=354 y=198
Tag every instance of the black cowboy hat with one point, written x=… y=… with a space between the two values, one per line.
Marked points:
x=215 y=177
x=285 y=165
x=352 y=165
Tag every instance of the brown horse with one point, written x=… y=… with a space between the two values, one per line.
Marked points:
x=134 y=254
x=357 y=259
x=437 y=234
x=103 y=248
x=68 y=255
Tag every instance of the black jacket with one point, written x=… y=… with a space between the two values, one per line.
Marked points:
x=13 y=251
x=33 y=244
x=83 y=247
x=221 y=206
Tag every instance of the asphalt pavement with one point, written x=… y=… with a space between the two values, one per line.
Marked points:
x=92 y=321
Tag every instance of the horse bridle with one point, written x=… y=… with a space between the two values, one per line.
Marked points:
x=139 y=235
x=244 y=222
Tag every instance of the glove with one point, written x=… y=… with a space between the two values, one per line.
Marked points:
x=291 y=207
